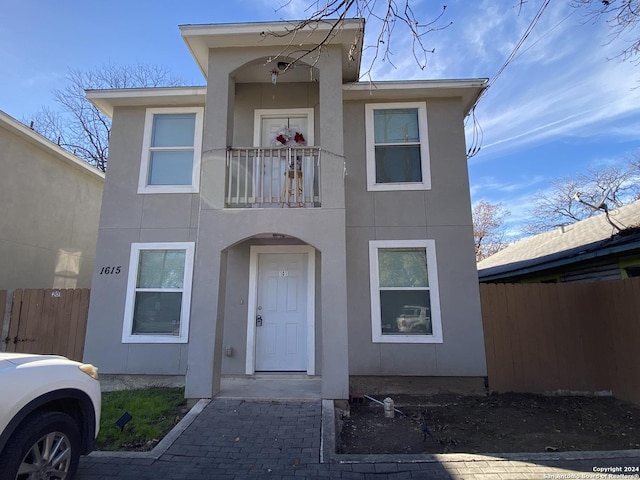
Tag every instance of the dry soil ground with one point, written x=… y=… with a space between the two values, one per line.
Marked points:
x=491 y=424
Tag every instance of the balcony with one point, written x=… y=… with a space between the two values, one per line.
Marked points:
x=273 y=177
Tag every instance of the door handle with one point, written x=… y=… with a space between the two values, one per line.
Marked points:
x=258 y=320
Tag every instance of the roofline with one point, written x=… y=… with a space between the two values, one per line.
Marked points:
x=34 y=138
x=245 y=28
x=199 y=38
x=469 y=89
x=107 y=100
x=558 y=263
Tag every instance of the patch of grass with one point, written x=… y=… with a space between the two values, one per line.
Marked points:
x=155 y=412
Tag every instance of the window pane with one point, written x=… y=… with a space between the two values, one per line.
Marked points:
x=398 y=164
x=398 y=125
x=173 y=130
x=161 y=268
x=171 y=168
x=157 y=313
x=405 y=312
x=403 y=267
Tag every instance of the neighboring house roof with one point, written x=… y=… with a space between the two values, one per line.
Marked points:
x=590 y=238
x=21 y=130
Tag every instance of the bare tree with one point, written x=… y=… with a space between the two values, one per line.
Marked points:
x=569 y=200
x=388 y=16
x=80 y=127
x=488 y=228
x=623 y=17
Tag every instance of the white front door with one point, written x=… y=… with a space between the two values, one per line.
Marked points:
x=281 y=318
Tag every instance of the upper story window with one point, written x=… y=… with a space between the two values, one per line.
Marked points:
x=397 y=146
x=171 y=151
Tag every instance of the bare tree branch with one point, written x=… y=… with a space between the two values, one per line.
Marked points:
x=488 y=228
x=387 y=15
x=80 y=127
x=565 y=202
x=623 y=18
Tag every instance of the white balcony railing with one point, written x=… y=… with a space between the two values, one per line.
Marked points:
x=273 y=177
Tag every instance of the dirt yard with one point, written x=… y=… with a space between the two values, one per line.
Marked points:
x=500 y=423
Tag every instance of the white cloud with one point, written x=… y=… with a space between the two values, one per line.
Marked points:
x=492 y=187
x=292 y=9
x=576 y=95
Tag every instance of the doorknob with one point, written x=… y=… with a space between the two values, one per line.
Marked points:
x=258 y=320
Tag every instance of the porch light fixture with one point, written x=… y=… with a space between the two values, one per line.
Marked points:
x=274 y=76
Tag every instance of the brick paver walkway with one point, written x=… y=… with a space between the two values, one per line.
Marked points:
x=235 y=439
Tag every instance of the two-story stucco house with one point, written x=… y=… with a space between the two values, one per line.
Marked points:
x=286 y=218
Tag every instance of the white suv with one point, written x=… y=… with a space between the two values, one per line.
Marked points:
x=49 y=415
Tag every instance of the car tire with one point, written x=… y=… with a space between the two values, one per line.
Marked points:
x=39 y=434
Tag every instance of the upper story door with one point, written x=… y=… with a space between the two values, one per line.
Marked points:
x=269 y=124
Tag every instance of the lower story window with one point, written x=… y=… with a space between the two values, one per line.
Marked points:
x=158 y=293
x=405 y=305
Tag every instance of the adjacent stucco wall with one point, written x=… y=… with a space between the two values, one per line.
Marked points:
x=443 y=214
x=128 y=217
x=49 y=210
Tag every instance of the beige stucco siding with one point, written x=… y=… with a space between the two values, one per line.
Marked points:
x=442 y=214
x=132 y=218
x=49 y=212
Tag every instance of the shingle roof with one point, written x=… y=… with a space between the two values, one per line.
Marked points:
x=571 y=240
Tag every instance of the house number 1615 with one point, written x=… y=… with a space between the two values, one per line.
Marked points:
x=110 y=270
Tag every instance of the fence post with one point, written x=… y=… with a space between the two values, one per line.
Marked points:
x=6 y=317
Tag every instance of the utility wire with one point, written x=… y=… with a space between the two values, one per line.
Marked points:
x=476 y=143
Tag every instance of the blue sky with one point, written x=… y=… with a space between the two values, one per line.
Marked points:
x=560 y=107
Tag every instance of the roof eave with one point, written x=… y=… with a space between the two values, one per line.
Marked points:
x=200 y=38
x=31 y=136
x=467 y=89
x=560 y=262
x=107 y=100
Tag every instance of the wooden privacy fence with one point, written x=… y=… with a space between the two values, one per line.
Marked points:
x=46 y=321
x=573 y=337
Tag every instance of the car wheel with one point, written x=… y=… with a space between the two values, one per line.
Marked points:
x=47 y=447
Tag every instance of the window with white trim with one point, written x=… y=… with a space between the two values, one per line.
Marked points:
x=171 y=151
x=158 y=293
x=405 y=305
x=397 y=146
